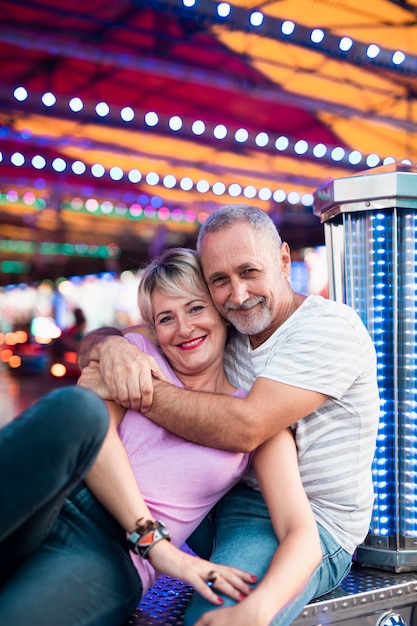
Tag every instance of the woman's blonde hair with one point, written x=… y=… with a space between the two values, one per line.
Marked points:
x=175 y=272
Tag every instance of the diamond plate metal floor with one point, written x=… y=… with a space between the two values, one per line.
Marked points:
x=165 y=603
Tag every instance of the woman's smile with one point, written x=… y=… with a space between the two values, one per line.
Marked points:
x=192 y=343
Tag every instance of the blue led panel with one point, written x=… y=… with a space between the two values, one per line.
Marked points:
x=380 y=270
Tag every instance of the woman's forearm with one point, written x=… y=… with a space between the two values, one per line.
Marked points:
x=299 y=551
x=112 y=480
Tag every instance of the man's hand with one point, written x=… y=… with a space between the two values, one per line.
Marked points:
x=126 y=373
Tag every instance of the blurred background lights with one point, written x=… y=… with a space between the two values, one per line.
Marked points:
x=134 y=176
x=186 y=183
x=38 y=162
x=355 y=157
x=151 y=118
x=249 y=192
x=102 y=109
x=97 y=170
x=317 y=35
x=190 y=216
x=307 y=199
x=91 y=205
x=282 y=143
x=265 y=193
x=59 y=164
x=150 y=211
x=76 y=204
x=220 y=131
x=301 y=147
x=373 y=160
x=177 y=215
x=127 y=114
x=262 y=139
x=169 y=181
x=12 y=195
x=256 y=18
x=241 y=135
x=48 y=99
x=76 y=104
x=279 y=195
x=345 y=44
x=373 y=51
x=20 y=94
x=293 y=197
x=175 y=123
x=157 y=202
x=106 y=207
x=234 y=190
x=152 y=178
x=164 y=214
x=78 y=167
x=44 y=329
x=337 y=153
x=116 y=173
x=198 y=127
x=398 y=57
x=17 y=159
x=223 y=9
x=319 y=150
x=287 y=27
x=202 y=186
x=219 y=188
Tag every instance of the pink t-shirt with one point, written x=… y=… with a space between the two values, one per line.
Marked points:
x=180 y=481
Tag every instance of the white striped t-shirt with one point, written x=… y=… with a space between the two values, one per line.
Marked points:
x=325 y=347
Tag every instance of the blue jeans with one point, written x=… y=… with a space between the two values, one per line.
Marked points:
x=244 y=538
x=63 y=560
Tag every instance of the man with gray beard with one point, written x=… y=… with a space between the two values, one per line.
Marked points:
x=310 y=365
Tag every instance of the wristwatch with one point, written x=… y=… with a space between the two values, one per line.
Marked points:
x=146 y=536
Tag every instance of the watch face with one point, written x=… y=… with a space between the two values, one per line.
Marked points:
x=141 y=544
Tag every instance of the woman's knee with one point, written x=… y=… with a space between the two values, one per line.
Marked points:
x=76 y=409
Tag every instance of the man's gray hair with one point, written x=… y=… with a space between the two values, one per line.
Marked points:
x=226 y=216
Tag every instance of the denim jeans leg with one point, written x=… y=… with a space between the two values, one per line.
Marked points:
x=81 y=575
x=44 y=453
x=201 y=541
x=245 y=539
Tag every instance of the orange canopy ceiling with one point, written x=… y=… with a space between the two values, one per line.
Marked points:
x=186 y=62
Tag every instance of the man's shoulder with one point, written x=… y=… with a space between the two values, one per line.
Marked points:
x=318 y=307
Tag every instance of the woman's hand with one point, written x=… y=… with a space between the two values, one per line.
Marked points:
x=231 y=581
x=244 y=613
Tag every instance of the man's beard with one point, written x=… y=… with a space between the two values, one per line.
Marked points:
x=253 y=324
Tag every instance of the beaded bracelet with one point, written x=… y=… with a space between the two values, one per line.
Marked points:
x=146 y=535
